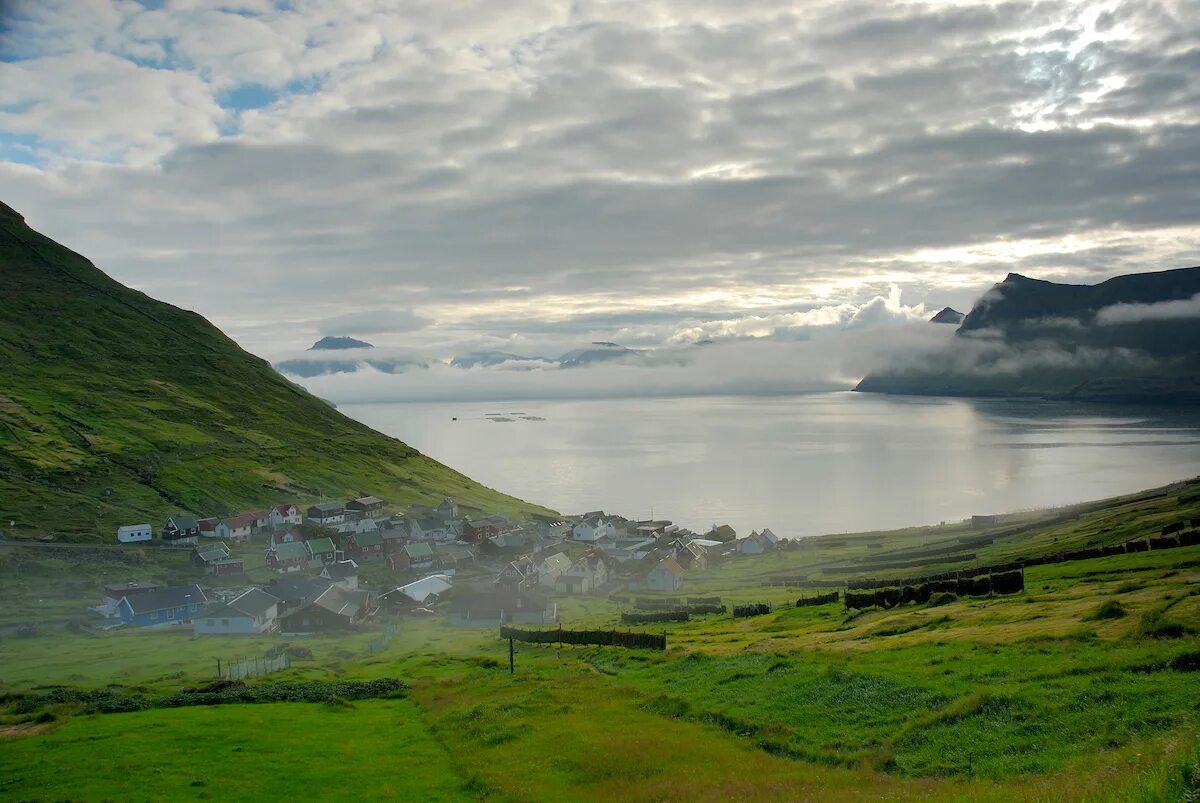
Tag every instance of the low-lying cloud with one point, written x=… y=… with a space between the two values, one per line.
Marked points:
x=1160 y=311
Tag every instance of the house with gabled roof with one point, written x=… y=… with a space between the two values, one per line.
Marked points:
x=551 y=567
x=420 y=592
x=723 y=533
x=237 y=529
x=286 y=536
x=753 y=544
x=343 y=573
x=689 y=554
x=583 y=577
x=519 y=575
x=215 y=558
x=366 y=506
x=506 y=545
x=448 y=509
x=252 y=612
x=321 y=552
x=181 y=529
x=450 y=556
x=208 y=526
x=427 y=529
x=285 y=515
x=664 y=575
x=326 y=514
x=333 y=609
x=174 y=605
x=289 y=556
x=413 y=555
x=593 y=529
x=365 y=546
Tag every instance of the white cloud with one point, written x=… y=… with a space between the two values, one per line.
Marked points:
x=1161 y=311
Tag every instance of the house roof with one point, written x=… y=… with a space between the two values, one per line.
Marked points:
x=244 y=520
x=212 y=552
x=218 y=610
x=369 y=500
x=723 y=533
x=340 y=570
x=254 y=602
x=557 y=562
x=283 y=509
x=163 y=598
x=430 y=524
x=257 y=514
x=368 y=538
x=420 y=549
x=184 y=522
x=338 y=600
x=328 y=507
x=296 y=588
x=133 y=527
x=506 y=540
x=422 y=589
x=455 y=552
x=320 y=545
x=671 y=566
x=290 y=550
x=208 y=525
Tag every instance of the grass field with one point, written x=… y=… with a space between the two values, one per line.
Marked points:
x=1086 y=686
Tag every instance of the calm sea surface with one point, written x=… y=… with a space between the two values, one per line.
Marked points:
x=801 y=465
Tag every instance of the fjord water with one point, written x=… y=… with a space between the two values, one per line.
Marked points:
x=801 y=465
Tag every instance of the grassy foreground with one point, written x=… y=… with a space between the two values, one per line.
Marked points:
x=1084 y=687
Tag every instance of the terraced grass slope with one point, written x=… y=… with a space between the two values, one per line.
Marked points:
x=115 y=407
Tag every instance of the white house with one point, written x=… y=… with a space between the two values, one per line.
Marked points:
x=591 y=530
x=237 y=528
x=552 y=567
x=666 y=576
x=584 y=576
x=251 y=613
x=285 y=515
x=134 y=532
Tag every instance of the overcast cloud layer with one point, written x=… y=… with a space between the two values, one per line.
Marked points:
x=527 y=177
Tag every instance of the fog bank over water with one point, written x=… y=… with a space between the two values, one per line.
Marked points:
x=802 y=465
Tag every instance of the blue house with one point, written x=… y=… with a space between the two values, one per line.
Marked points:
x=163 y=606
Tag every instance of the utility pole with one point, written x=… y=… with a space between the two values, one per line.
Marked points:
x=511 y=653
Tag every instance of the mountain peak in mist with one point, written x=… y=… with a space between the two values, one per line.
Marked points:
x=334 y=343
x=948 y=315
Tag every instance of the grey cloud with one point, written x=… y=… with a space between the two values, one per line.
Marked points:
x=1161 y=311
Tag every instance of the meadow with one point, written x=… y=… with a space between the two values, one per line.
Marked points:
x=1083 y=687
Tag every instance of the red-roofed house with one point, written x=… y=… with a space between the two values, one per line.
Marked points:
x=666 y=576
x=237 y=528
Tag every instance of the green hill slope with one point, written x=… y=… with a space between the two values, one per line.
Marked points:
x=117 y=408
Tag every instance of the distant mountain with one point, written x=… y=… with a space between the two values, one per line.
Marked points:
x=1133 y=338
x=116 y=408
x=335 y=343
x=306 y=369
x=948 y=315
x=598 y=351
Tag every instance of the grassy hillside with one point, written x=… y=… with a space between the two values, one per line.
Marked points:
x=117 y=408
x=1082 y=687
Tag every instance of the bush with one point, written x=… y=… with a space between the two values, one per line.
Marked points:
x=1108 y=610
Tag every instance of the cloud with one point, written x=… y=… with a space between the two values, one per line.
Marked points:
x=373 y=321
x=532 y=174
x=1160 y=311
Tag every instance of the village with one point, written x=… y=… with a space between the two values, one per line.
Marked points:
x=337 y=566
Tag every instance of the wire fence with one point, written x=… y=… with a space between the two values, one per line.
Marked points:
x=383 y=639
x=242 y=668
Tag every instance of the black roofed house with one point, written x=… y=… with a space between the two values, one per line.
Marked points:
x=506 y=545
x=368 y=506
x=173 y=605
x=492 y=608
x=181 y=529
x=427 y=529
x=326 y=513
x=252 y=612
x=343 y=573
x=335 y=608
x=215 y=558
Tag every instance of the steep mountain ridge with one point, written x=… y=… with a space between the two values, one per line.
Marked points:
x=1134 y=338
x=115 y=407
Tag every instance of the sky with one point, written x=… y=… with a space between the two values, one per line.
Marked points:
x=440 y=178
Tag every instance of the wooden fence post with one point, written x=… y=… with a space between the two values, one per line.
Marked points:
x=511 y=652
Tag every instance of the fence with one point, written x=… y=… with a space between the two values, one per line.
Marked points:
x=603 y=638
x=754 y=609
x=820 y=599
x=1009 y=582
x=242 y=668
x=385 y=636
